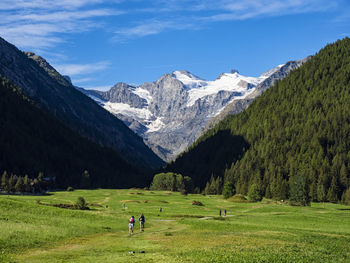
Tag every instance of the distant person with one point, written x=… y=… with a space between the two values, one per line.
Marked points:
x=225 y=212
x=131 y=225
x=160 y=209
x=220 y=212
x=123 y=205
x=142 y=222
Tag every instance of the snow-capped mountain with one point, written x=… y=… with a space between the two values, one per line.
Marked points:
x=171 y=112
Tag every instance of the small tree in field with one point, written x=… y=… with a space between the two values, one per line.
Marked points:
x=5 y=181
x=254 y=193
x=229 y=190
x=81 y=203
x=299 y=191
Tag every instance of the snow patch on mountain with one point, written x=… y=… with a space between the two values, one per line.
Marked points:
x=143 y=93
x=232 y=82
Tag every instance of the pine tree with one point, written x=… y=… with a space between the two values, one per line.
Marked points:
x=346 y=197
x=299 y=192
x=321 y=192
x=5 y=181
x=313 y=190
x=26 y=183
x=344 y=179
x=218 y=185
x=11 y=183
x=268 y=192
x=332 y=195
x=254 y=193
x=228 y=190
x=19 y=187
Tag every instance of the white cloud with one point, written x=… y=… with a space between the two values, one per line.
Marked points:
x=81 y=69
x=41 y=24
x=195 y=14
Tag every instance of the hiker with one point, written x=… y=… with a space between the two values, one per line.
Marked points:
x=160 y=209
x=131 y=225
x=123 y=205
x=142 y=222
x=225 y=212
x=220 y=212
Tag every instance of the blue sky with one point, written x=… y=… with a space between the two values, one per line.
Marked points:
x=101 y=42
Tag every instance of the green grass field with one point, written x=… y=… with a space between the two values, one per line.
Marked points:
x=251 y=232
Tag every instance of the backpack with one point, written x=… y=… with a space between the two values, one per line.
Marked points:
x=132 y=220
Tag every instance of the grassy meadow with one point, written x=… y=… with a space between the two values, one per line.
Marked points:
x=267 y=231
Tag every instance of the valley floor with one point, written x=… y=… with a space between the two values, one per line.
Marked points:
x=251 y=232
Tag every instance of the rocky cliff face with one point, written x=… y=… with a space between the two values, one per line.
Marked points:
x=55 y=95
x=172 y=112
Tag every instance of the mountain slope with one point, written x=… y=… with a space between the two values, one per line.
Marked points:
x=273 y=76
x=32 y=141
x=300 y=126
x=171 y=112
x=55 y=95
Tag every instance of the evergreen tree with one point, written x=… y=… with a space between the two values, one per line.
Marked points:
x=344 y=176
x=321 y=192
x=5 y=181
x=268 y=192
x=11 y=183
x=228 y=190
x=19 y=187
x=254 y=193
x=332 y=195
x=299 y=192
x=26 y=183
x=346 y=197
x=218 y=185
x=313 y=190
x=188 y=185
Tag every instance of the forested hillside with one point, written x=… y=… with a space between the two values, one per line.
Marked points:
x=55 y=96
x=32 y=141
x=299 y=127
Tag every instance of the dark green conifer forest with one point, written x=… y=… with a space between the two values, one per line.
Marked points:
x=296 y=133
x=32 y=142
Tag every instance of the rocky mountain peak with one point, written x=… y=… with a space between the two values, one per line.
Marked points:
x=49 y=69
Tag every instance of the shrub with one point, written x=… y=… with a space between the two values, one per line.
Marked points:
x=81 y=203
x=239 y=198
x=70 y=189
x=197 y=203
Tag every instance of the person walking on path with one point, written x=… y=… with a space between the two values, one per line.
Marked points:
x=131 y=225
x=142 y=222
x=225 y=212
x=220 y=212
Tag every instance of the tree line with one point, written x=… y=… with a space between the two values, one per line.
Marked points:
x=23 y=184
